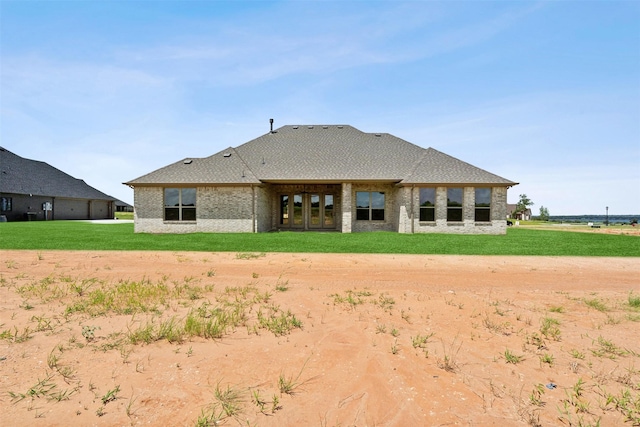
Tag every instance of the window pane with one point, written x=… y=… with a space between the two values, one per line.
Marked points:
x=362 y=199
x=427 y=214
x=377 y=214
x=315 y=209
x=377 y=200
x=188 y=214
x=454 y=197
x=483 y=215
x=297 y=209
x=328 y=210
x=171 y=197
x=284 y=210
x=362 y=214
x=171 y=214
x=483 y=197
x=427 y=197
x=454 y=214
x=188 y=197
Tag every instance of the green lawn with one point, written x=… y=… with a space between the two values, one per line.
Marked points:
x=76 y=235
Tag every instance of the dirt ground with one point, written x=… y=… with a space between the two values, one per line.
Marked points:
x=319 y=340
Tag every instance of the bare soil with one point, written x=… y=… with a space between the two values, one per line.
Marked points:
x=385 y=340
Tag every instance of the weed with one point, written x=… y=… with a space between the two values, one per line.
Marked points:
x=577 y=354
x=385 y=302
x=536 y=395
x=127 y=409
x=41 y=389
x=110 y=395
x=448 y=362
x=381 y=328
x=596 y=304
x=420 y=341
x=509 y=357
x=277 y=321
x=395 y=332
x=230 y=400
x=275 y=404
x=394 y=348
x=633 y=300
x=88 y=332
x=547 y=358
x=549 y=328
x=16 y=336
x=289 y=385
x=556 y=309
x=607 y=348
x=250 y=255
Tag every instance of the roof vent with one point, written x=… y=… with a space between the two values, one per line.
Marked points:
x=309 y=127
x=325 y=127
x=227 y=154
x=296 y=127
x=378 y=134
x=271 y=125
x=340 y=127
x=187 y=161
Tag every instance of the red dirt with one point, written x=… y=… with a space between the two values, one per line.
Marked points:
x=348 y=367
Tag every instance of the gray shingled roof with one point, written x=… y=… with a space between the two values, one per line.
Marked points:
x=24 y=176
x=333 y=153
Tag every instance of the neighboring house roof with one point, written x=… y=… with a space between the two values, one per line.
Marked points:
x=512 y=207
x=323 y=153
x=24 y=176
x=119 y=202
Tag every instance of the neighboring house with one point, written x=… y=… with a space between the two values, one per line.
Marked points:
x=123 y=206
x=324 y=178
x=34 y=190
x=521 y=215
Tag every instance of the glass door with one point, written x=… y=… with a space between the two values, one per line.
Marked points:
x=321 y=211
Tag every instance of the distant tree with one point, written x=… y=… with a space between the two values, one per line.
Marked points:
x=524 y=203
x=544 y=213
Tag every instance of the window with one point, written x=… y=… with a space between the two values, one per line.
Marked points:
x=369 y=206
x=427 y=204
x=483 y=204
x=179 y=204
x=454 y=204
x=6 y=204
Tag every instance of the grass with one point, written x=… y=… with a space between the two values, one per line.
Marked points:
x=77 y=235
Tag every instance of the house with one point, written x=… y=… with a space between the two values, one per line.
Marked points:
x=520 y=215
x=324 y=178
x=123 y=206
x=34 y=190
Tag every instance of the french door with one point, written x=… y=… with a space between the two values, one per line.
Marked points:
x=307 y=211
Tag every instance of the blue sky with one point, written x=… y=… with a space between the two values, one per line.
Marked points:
x=546 y=93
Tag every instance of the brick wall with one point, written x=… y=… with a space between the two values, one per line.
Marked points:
x=498 y=224
x=231 y=209
x=390 y=222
